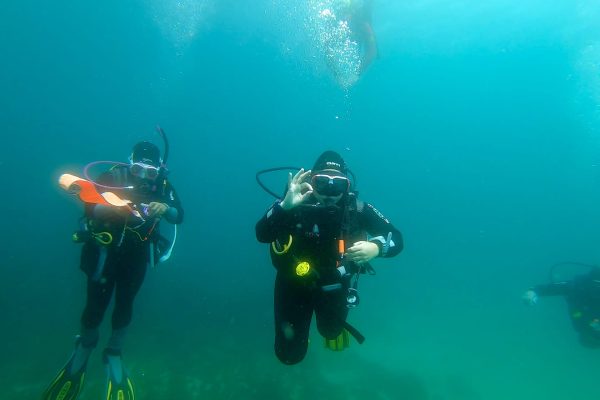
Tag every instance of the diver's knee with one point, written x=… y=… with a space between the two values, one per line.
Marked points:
x=290 y=351
x=91 y=319
x=589 y=342
x=290 y=356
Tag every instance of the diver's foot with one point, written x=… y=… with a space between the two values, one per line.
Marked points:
x=341 y=342
x=68 y=384
x=119 y=386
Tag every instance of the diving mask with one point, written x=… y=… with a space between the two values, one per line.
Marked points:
x=330 y=185
x=144 y=171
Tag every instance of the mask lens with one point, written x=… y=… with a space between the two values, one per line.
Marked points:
x=151 y=173
x=136 y=169
x=330 y=185
x=144 y=171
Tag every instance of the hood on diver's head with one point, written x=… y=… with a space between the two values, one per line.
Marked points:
x=147 y=153
x=330 y=161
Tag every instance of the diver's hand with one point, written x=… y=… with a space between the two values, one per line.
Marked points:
x=362 y=252
x=298 y=190
x=156 y=209
x=530 y=297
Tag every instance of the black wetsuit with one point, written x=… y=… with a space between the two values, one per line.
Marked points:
x=313 y=234
x=583 y=299
x=120 y=267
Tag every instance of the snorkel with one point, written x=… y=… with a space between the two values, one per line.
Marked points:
x=163 y=135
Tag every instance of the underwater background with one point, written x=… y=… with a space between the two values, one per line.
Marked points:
x=475 y=131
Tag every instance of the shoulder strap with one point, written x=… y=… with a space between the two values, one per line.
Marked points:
x=350 y=224
x=165 y=185
x=360 y=205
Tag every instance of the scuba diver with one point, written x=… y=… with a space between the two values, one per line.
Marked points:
x=358 y=15
x=119 y=243
x=321 y=239
x=345 y=37
x=582 y=294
